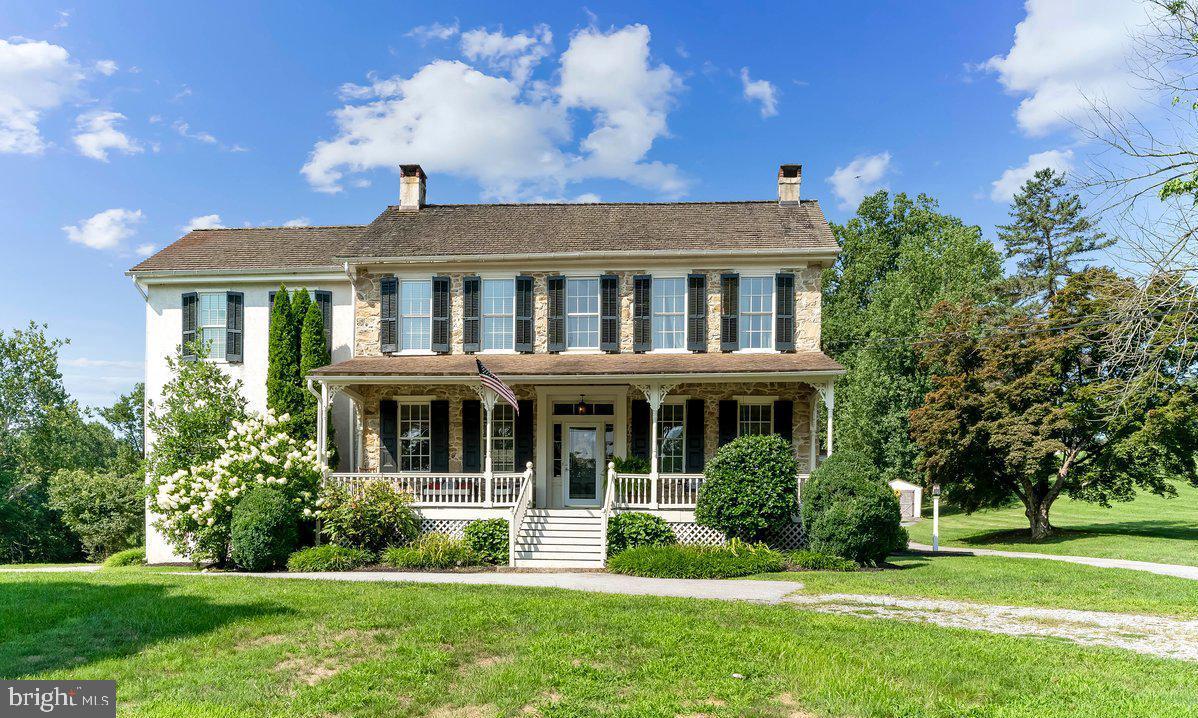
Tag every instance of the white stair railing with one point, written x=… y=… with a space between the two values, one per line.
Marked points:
x=519 y=509
x=609 y=501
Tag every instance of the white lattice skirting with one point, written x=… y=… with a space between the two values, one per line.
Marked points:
x=691 y=533
x=452 y=527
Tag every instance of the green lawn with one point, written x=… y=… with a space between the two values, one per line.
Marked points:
x=229 y=646
x=1015 y=582
x=1150 y=528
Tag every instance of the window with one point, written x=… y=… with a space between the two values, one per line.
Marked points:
x=756 y=419
x=415 y=442
x=669 y=313
x=582 y=313
x=756 y=312
x=498 y=313
x=415 y=314
x=671 y=439
x=503 y=437
x=211 y=323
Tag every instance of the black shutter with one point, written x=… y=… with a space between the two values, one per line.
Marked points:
x=234 y=325
x=388 y=436
x=471 y=305
x=270 y=306
x=524 y=434
x=784 y=419
x=696 y=312
x=729 y=420
x=388 y=314
x=191 y=320
x=324 y=301
x=524 y=312
x=729 y=312
x=609 y=313
x=440 y=343
x=695 y=420
x=784 y=312
x=556 y=288
x=472 y=435
x=438 y=411
x=640 y=429
x=642 y=313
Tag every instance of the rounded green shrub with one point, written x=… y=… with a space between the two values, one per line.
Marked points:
x=489 y=539
x=128 y=557
x=377 y=517
x=849 y=512
x=328 y=558
x=264 y=530
x=814 y=561
x=749 y=488
x=635 y=528
x=432 y=551
x=736 y=559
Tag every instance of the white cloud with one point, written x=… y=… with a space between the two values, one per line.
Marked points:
x=64 y=19
x=513 y=140
x=96 y=134
x=105 y=230
x=1066 y=54
x=144 y=250
x=1005 y=187
x=206 y=221
x=762 y=91
x=865 y=174
x=434 y=31
x=35 y=76
x=298 y=222
x=516 y=55
x=184 y=130
x=86 y=362
x=106 y=67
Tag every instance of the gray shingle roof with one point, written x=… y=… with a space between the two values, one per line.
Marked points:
x=467 y=229
x=252 y=248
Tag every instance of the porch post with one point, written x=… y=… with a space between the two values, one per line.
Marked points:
x=828 y=392
x=654 y=394
x=489 y=397
x=813 y=430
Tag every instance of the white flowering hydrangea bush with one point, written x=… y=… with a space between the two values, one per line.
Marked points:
x=195 y=505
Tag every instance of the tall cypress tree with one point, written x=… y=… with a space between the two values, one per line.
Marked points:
x=283 y=392
x=1050 y=234
x=314 y=353
x=300 y=301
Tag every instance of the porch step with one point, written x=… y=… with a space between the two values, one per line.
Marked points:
x=560 y=538
x=556 y=563
x=552 y=532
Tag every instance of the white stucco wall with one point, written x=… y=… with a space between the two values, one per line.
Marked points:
x=164 y=328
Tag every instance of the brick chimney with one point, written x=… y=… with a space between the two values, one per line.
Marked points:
x=789 y=178
x=411 y=186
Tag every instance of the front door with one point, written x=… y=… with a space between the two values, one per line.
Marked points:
x=582 y=469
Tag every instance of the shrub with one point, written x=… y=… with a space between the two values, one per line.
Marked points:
x=849 y=512
x=632 y=464
x=632 y=529
x=264 y=530
x=378 y=517
x=106 y=511
x=436 y=551
x=328 y=558
x=815 y=561
x=749 y=488
x=736 y=559
x=128 y=557
x=489 y=539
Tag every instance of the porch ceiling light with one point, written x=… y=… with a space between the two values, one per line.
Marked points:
x=582 y=408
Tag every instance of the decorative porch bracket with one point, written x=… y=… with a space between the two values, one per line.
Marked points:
x=488 y=398
x=655 y=394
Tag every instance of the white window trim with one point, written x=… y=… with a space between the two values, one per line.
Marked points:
x=755 y=274
x=598 y=314
x=482 y=417
x=674 y=401
x=199 y=327
x=685 y=316
x=739 y=421
x=400 y=315
x=483 y=277
x=413 y=401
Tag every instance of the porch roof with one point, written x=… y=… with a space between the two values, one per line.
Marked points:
x=609 y=368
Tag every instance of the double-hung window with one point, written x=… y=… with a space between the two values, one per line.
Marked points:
x=415 y=314
x=212 y=323
x=669 y=312
x=671 y=439
x=503 y=438
x=498 y=313
x=415 y=437
x=582 y=313
x=756 y=419
x=756 y=312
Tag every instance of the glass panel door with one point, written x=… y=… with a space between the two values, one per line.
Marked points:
x=582 y=465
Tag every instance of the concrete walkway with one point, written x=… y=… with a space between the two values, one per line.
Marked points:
x=1164 y=569
x=724 y=590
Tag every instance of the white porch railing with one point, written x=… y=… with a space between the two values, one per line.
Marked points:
x=673 y=491
x=443 y=488
x=519 y=509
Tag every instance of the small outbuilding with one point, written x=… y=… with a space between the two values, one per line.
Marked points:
x=910 y=498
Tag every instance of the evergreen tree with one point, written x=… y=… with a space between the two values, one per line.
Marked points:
x=314 y=353
x=283 y=392
x=300 y=301
x=1050 y=234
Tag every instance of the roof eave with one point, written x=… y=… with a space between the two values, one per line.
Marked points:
x=828 y=252
x=616 y=378
x=251 y=271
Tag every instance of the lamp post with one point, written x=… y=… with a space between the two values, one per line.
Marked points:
x=935 y=517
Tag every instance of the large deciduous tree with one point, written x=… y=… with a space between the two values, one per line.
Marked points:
x=1034 y=407
x=899 y=257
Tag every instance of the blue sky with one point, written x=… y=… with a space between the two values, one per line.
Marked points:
x=120 y=125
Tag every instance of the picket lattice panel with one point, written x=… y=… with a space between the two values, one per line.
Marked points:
x=453 y=527
x=691 y=533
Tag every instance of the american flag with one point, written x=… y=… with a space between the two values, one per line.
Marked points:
x=496 y=384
